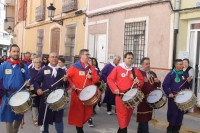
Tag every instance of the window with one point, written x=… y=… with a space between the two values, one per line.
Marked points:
x=70 y=44
x=195 y=26
x=40 y=42
x=134 y=40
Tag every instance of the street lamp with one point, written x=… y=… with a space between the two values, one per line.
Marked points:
x=51 y=11
x=9 y=29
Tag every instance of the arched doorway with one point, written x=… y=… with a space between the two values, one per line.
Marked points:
x=55 y=40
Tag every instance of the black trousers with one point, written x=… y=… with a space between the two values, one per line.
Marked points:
x=79 y=129
x=123 y=130
x=143 y=127
x=109 y=107
x=173 y=129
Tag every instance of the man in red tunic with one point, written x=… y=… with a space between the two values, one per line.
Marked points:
x=77 y=73
x=151 y=82
x=119 y=81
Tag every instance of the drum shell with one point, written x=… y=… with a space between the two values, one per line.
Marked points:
x=160 y=103
x=188 y=104
x=135 y=100
x=101 y=86
x=58 y=105
x=22 y=109
x=93 y=100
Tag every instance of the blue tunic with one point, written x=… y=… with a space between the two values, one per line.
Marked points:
x=44 y=76
x=174 y=114
x=109 y=96
x=12 y=80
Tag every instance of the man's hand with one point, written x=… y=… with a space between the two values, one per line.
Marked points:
x=27 y=83
x=189 y=79
x=65 y=78
x=136 y=81
x=73 y=87
x=156 y=80
x=39 y=92
x=116 y=91
x=171 y=95
x=89 y=76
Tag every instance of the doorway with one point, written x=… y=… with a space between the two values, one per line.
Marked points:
x=97 y=48
x=194 y=53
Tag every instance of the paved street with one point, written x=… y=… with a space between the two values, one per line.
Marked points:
x=108 y=124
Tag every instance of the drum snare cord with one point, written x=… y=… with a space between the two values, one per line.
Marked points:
x=42 y=127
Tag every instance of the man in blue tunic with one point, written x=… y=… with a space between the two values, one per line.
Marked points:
x=109 y=96
x=47 y=76
x=172 y=84
x=13 y=74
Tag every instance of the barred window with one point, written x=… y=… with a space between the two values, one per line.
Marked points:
x=70 y=44
x=40 y=42
x=134 y=40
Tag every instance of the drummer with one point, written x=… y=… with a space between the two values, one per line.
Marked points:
x=14 y=74
x=172 y=84
x=109 y=96
x=31 y=64
x=48 y=76
x=120 y=80
x=151 y=82
x=36 y=98
x=77 y=73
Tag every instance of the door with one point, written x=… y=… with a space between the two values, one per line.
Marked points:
x=55 y=40
x=97 y=48
x=197 y=70
x=101 y=50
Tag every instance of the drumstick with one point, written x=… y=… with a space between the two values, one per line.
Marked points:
x=182 y=84
x=152 y=95
x=133 y=83
x=57 y=81
x=42 y=92
x=23 y=86
x=85 y=79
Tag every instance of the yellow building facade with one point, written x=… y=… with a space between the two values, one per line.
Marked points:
x=44 y=36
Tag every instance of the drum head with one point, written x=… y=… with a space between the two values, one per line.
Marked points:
x=19 y=98
x=183 y=96
x=54 y=96
x=131 y=93
x=154 y=96
x=88 y=92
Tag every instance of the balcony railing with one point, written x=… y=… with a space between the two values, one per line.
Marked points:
x=40 y=13
x=68 y=6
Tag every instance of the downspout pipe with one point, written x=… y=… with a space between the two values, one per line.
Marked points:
x=176 y=27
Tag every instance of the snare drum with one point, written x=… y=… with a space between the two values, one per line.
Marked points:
x=20 y=102
x=90 y=95
x=156 y=99
x=57 y=99
x=132 y=97
x=101 y=86
x=185 y=100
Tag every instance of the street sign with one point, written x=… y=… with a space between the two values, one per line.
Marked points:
x=198 y=4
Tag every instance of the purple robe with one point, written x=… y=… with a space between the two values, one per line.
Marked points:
x=45 y=77
x=174 y=114
x=109 y=96
x=33 y=72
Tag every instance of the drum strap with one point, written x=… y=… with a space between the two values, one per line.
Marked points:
x=23 y=73
x=133 y=72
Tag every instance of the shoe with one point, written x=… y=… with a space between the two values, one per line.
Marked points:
x=90 y=123
x=109 y=113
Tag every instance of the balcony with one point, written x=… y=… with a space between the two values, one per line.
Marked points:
x=69 y=5
x=9 y=2
x=40 y=13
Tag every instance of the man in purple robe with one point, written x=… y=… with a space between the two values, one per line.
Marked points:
x=109 y=96
x=48 y=76
x=173 y=83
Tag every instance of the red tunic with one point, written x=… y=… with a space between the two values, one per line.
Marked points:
x=79 y=113
x=119 y=80
x=144 y=112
